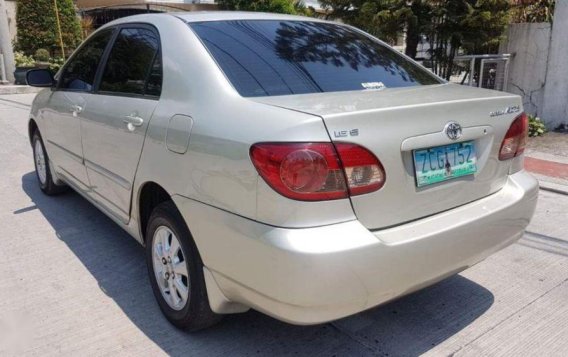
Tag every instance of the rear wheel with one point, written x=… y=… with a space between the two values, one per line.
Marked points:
x=176 y=270
x=43 y=169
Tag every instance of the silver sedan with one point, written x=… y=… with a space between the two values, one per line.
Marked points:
x=296 y=166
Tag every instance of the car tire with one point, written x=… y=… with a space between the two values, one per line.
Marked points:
x=164 y=258
x=43 y=168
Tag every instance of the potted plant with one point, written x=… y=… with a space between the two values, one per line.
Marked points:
x=23 y=65
x=41 y=57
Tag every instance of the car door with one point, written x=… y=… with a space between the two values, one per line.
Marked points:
x=68 y=100
x=115 y=119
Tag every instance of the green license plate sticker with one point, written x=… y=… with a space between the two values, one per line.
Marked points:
x=443 y=163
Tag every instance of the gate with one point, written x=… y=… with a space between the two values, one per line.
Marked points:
x=484 y=71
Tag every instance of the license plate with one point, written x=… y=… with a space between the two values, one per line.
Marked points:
x=443 y=163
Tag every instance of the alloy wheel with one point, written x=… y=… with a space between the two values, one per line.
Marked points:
x=40 y=165
x=170 y=268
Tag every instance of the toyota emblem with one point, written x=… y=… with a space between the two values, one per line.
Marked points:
x=453 y=130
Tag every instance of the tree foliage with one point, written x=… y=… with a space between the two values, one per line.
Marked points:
x=383 y=18
x=472 y=26
x=37 y=25
x=276 y=6
x=469 y=26
x=532 y=10
x=304 y=42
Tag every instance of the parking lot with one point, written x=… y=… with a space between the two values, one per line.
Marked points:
x=72 y=282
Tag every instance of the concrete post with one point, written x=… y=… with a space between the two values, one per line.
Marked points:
x=555 y=112
x=6 y=43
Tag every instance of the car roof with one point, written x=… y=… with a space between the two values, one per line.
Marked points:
x=203 y=16
x=199 y=16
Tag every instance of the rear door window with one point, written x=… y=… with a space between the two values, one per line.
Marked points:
x=131 y=62
x=269 y=57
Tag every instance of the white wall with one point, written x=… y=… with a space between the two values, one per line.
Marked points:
x=11 y=9
x=529 y=46
x=538 y=70
x=556 y=90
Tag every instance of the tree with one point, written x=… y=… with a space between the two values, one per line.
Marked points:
x=532 y=10
x=418 y=24
x=471 y=26
x=37 y=25
x=484 y=25
x=386 y=19
x=277 y=6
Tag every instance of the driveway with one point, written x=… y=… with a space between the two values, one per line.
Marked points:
x=72 y=282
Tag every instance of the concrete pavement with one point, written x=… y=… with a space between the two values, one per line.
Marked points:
x=17 y=89
x=72 y=282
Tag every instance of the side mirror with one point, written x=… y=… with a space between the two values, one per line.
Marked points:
x=40 y=78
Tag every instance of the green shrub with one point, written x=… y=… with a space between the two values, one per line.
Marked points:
x=41 y=55
x=536 y=126
x=277 y=6
x=22 y=60
x=56 y=63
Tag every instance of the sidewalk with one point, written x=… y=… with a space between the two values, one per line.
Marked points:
x=17 y=89
x=546 y=157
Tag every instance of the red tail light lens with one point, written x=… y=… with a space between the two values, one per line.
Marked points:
x=301 y=171
x=516 y=138
x=315 y=171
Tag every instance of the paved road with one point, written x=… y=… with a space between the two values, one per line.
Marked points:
x=72 y=282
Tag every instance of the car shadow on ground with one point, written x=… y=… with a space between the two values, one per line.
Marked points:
x=409 y=326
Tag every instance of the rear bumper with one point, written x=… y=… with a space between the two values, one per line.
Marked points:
x=313 y=275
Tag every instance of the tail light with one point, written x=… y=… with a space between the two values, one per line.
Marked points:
x=516 y=138
x=317 y=171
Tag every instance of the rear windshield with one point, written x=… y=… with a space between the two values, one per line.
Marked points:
x=268 y=58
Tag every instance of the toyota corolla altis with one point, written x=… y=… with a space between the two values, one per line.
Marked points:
x=295 y=166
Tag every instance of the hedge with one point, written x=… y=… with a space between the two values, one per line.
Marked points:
x=37 y=25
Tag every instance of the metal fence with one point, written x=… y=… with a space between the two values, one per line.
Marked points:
x=485 y=71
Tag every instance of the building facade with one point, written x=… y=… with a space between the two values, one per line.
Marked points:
x=102 y=11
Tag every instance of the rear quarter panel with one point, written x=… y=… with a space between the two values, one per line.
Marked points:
x=216 y=170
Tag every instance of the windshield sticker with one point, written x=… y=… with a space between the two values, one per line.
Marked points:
x=373 y=85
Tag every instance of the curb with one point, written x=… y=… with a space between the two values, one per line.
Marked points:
x=551 y=175
x=14 y=89
x=553 y=169
x=552 y=187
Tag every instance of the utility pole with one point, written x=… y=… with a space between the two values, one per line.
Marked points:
x=59 y=28
x=6 y=44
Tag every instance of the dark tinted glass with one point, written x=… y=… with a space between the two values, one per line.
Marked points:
x=265 y=58
x=79 y=73
x=130 y=61
x=154 y=85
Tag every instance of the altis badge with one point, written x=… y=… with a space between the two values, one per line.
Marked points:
x=509 y=110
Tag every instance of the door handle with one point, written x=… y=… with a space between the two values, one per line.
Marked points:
x=132 y=121
x=76 y=109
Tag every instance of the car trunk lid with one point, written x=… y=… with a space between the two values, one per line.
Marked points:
x=392 y=123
